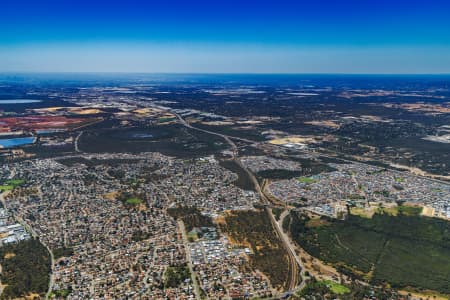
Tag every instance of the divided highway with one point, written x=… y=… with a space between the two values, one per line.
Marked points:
x=295 y=263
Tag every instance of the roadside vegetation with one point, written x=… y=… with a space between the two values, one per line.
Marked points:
x=277 y=211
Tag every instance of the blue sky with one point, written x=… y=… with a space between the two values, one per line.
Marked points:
x=320 y=36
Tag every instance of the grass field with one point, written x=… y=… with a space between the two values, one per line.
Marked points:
x=306 y=180
x=133 y=201
x=404 y=250
x=10 y=185
x=5 y=188
x=15 y=182
x=336 y=288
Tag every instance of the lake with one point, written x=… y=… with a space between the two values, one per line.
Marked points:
x=15 y=142
x=19 y=101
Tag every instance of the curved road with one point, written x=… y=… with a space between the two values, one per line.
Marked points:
x=77 y=149
x=294 y=260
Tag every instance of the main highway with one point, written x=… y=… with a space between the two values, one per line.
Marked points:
x=295 y=263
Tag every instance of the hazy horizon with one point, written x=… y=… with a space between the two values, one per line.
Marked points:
x=349 y=37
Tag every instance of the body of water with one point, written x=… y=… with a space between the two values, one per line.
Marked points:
x=16 y=142
x=142 y=136
x=19 y=101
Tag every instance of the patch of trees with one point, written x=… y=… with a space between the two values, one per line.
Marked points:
x=176 y=275
x=254 y=229
x=140 y=236
x=316 y=290
x=191 y=217
x=277 y=212
x=244 y=180
x=131 y=200
x=403 y=250
x=25 y=269
x=279 y=174
x=62 y=252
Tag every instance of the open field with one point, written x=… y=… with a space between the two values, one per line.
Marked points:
x=10 y=185
x=133 y=201
x=306 y=180
x=5 y=188
x=336 y=288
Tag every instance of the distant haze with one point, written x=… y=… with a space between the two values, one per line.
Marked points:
x=225 y=36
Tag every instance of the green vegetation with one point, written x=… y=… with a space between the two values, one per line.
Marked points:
x=10 y=185
x=336 y=288
x=312 y=166
x=405 y=210
x=277 y=212
x=5 y=188
x=191 y=217
x=355 y=197
x=170 y=139
x=140 y=236
x=384 y=193
x=403 y=250
x=176 y=275
x=306 y=180
x=62 y=252
x=279 y=174
x=325 y=287
x=252 y=134
x=15 y=182
x=25 y=269
x=244 y=181
x=409 y=210
x=60 y=294
x=253 y=229
x=133 y=201
x=314 y=287
x=166 y=119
